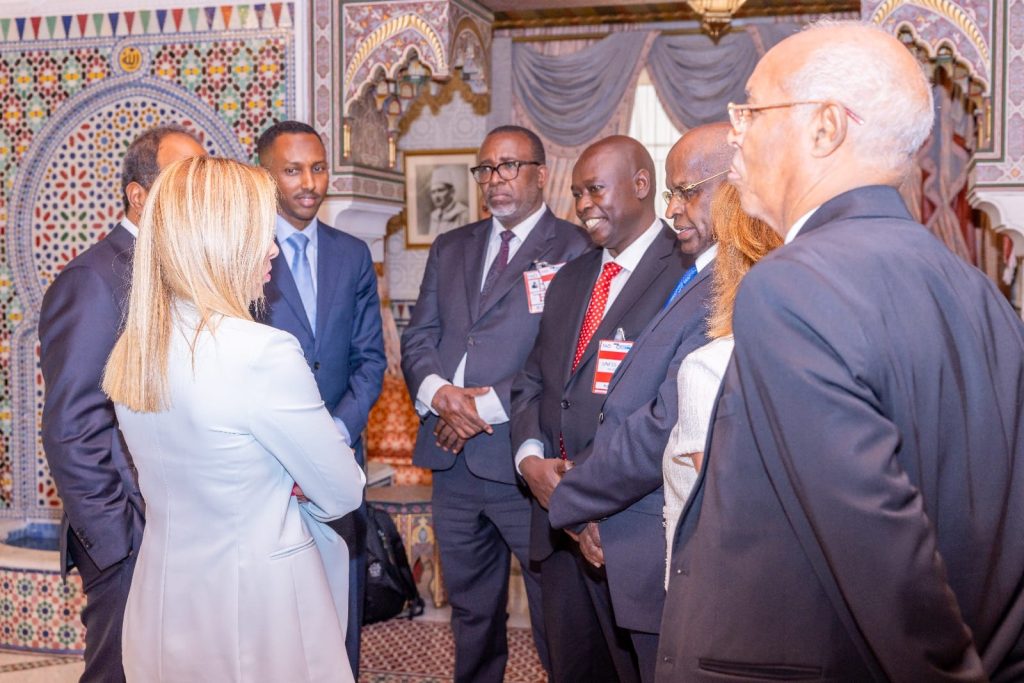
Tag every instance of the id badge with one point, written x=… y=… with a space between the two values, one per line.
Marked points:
x=610 y=354
x=537 y=281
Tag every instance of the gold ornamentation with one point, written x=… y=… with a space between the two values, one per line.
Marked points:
x=388 y=30
x=130 y=59
x=945 y=8
x=481 y=103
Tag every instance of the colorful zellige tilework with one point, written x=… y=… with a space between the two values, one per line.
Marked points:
x=39 y=612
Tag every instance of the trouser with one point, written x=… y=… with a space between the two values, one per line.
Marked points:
x=106 y=593
x=479 y=524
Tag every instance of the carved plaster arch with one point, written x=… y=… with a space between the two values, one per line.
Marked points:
x=944 y=8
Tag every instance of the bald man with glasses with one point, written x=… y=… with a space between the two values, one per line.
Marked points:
x=475 y=321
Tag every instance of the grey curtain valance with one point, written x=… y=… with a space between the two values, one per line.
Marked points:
x=570 y=98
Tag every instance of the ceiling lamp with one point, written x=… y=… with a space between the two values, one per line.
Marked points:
x=715 y=15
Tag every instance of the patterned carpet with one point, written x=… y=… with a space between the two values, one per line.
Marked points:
x=402 y=651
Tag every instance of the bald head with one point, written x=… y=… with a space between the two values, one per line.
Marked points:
x=694 y=170
x=839 y=106
x=613 y=186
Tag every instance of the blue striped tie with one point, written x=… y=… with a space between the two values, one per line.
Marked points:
x=681 y=285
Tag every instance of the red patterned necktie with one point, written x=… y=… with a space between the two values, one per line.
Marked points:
x=595 y=311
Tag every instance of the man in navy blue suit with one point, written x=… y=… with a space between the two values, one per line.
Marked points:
x=323 y=289
x=79 y=322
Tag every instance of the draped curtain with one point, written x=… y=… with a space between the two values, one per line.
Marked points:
x=577 y=93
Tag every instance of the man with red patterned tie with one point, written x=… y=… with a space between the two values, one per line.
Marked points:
x=595 y=308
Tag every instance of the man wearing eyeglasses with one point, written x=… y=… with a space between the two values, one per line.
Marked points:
x=474 y=324
x=860 y=511
x=596 y=309
x=614 y=496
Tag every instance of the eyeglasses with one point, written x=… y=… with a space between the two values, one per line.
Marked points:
x=741 y=114
x=507 y=170
x=687 y=193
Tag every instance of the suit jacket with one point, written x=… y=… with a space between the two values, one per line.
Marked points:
x=228 y=564
x=449 y=322
x=620 y=480
x=860 y=511
x=346 y=354
x=548 y=398
x=80 y=320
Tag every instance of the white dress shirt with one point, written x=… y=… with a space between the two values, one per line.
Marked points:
x=488 y=405
x=130 y=227
x=798 y=226
x=629 y=259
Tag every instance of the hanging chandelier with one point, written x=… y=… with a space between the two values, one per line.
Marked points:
x=715 y=15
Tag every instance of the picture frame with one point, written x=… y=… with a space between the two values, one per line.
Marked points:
x=440 y=194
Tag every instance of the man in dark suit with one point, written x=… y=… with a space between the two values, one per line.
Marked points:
x=609 y=294
x=323 y=289
x=80 y=319
x=619 y=481
x=474 y=324
x=860 y=510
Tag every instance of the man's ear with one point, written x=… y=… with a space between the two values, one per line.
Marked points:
x=542 y=176
x=136 y=195
x=642 y=183
x=830 y=129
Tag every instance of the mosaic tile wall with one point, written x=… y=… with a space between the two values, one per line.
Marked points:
x=74 y=91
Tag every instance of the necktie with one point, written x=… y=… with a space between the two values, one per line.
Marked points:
x=303 y=275
x=498 y=265
x=595 y=311
x=690 y=273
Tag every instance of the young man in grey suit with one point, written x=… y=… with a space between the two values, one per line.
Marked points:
x=860 y=510
x=323 y=289
x=79 y=322
x=472 y=328
x=614 y=497
x=606 y=296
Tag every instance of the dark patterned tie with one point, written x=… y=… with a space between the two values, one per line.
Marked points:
x=498 y=266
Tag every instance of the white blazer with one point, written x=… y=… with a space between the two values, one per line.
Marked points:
x=229 y=583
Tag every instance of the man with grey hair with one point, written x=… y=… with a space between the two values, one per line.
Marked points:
x=860 y=511
x=448 y=212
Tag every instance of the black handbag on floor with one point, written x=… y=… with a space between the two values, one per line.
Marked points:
x=390 y=587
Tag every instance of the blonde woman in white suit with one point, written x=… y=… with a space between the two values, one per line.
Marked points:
x=224 y=421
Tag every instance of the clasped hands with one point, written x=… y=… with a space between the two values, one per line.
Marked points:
x=542 y=475
x=458 y=420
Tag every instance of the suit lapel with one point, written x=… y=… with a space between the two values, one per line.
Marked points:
x=281 y=278
x=657 y=320
x=473 y=265
x=537 y=244
x=328 y=271
x=647 y=271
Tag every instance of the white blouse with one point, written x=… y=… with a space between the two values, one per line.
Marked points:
x=700 y=375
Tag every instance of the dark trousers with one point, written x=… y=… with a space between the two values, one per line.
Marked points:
x=646 y=647
x=106 y=593
x=576 y=641
x=479 y=524
x=619 y=643
x=352 y=528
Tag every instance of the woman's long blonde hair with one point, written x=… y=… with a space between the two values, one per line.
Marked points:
x=742 y=242
x=206 y=228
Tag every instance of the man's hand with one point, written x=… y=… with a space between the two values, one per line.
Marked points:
x=542 y=476
x=590 y=544
x=455 y=405
x=446 y=438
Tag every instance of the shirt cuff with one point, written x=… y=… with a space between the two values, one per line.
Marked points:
x=425 y=394
x=489 y=408
x=345 y=434
x=530 y=447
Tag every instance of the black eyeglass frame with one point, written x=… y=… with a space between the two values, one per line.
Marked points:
x=513 y=166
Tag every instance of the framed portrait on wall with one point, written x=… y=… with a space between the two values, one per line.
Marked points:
x=440 y=194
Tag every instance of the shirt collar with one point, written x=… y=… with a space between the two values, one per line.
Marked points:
x=629 y=258
x=706 y=257
x=800 y=222
x=525 y=227
x=284 y=230
x=130 y=227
